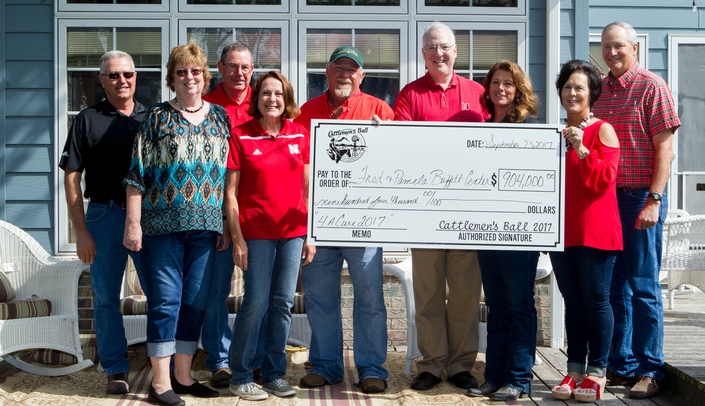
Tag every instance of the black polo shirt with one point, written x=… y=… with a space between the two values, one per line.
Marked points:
x=100 y=142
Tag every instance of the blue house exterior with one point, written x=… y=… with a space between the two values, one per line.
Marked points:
x=33 y=35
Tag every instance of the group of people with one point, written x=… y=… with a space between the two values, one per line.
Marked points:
x=194 y=186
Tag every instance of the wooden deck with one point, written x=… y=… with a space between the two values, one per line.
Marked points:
x=684 y=347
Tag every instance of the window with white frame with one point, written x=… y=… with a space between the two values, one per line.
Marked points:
x=81 y=44
x=387 y=32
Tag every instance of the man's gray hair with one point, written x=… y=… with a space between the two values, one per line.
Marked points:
x=438 y=26
x=114 y=55
x=631 y=32
x=234 y=46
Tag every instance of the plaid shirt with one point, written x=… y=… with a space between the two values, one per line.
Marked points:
x=639 y=105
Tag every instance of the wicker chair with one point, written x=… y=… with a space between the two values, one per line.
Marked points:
x=33 y=272
x=683 y=253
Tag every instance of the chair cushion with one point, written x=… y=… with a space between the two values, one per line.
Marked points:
x=21 y=309
x=298 y=304
x=89 y=346
x=7 y=292
x=133 y=281
x=234 y=303
x=133 y=305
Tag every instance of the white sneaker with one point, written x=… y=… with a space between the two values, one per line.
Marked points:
x=279 y=387
x=248 y=391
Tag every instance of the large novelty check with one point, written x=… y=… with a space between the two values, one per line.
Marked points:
x=437 y=185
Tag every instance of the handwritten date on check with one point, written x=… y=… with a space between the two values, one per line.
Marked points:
x=437 y=185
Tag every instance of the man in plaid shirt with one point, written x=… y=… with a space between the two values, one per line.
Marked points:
x=641 y=110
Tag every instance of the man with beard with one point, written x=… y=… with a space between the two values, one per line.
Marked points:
x=321 y=278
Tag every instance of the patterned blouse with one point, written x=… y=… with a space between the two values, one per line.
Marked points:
x=180 y=169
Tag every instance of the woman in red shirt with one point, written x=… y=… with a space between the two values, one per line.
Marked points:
x=593 y=233
x=266 y=207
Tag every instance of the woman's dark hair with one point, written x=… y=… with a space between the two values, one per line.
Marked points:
x=593 y=76
x=525 y=102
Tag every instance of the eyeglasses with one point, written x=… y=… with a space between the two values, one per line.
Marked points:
x=116 y=75
x=184 y=72
x=442 y=47
x=243 y=68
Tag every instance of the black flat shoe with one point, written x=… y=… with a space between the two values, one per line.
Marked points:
x=463 y=380
x=195 y=389
x=425 y=381
x=168 y=398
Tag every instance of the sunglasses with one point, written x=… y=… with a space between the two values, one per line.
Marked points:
x=116 y=75
x=184 y=72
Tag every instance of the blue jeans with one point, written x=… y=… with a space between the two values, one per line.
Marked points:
x=584 y=275
x=637 y=347
x=106 y=223
x=508 y=280
x=176 y=279
x=321 y=279
x=216 y=334
x=270 y=284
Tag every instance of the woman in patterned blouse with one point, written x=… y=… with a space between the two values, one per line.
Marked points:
x=175 y=192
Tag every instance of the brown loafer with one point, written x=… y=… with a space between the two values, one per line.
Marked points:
x=221 y=378
x=373 y=385
x=118 y=384
x=313 y=380
x=619 y=380
x=646 y=388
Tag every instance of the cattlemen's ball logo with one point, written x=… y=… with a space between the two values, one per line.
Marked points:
x=347 y=145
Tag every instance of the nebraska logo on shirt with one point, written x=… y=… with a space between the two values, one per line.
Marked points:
x=294 y=149
x=465 y=106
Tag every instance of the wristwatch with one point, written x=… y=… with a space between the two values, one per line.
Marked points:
x=655 y=196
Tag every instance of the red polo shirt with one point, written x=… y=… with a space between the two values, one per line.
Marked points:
x=425 y=100
x=359 y=106
x=236 y=111
x=271 y=192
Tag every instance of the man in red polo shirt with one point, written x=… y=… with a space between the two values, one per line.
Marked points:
x=233 y=93
x=321 y=278
x=448 y=337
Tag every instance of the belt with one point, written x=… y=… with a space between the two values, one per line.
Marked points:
x=111 y=202
x=628 y=189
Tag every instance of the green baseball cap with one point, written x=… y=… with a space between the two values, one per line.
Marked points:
x=347 y=51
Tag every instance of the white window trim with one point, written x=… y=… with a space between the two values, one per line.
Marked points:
x=642 y=49
x=520 y=10
x=676 y=188
x=283 y=25
x=304 y=26
x=228 y=8
x=521 y=28
x=60 y=127
x=62 y=5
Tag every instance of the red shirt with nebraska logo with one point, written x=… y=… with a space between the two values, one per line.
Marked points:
x=271 y=192
x=425 y=100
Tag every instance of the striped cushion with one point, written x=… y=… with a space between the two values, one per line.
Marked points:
x=133 y=281
x=298 y=304
x=133 y=305
x=7 y=292
x=88 y=345
x=484 y=309
x=21 y=309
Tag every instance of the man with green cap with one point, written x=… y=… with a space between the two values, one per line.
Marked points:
x=343 y=100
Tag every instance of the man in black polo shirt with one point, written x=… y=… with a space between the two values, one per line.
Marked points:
x=100 y=143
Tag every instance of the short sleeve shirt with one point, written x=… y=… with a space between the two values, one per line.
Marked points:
x=639 y=105
x=425 y=100
x=359 y=106
x=100 y=142
x=270 y=195
x=237 y=112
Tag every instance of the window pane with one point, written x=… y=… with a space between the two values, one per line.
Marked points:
x=379 y=48
x=596 y=57
x=492 y=46
x=114 y=1
x=143 y=44
x=462 y=40
x=321 y=43
x=352 y=2
x=85 y=46
x=231 y=2
x=265 y=44
x=475 y=3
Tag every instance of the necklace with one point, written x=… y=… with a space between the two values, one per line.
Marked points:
x=584 y=123
x=187 y=110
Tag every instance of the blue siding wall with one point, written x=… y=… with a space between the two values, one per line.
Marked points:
x=537 y=52
x=27 y=117
x=656 y=18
